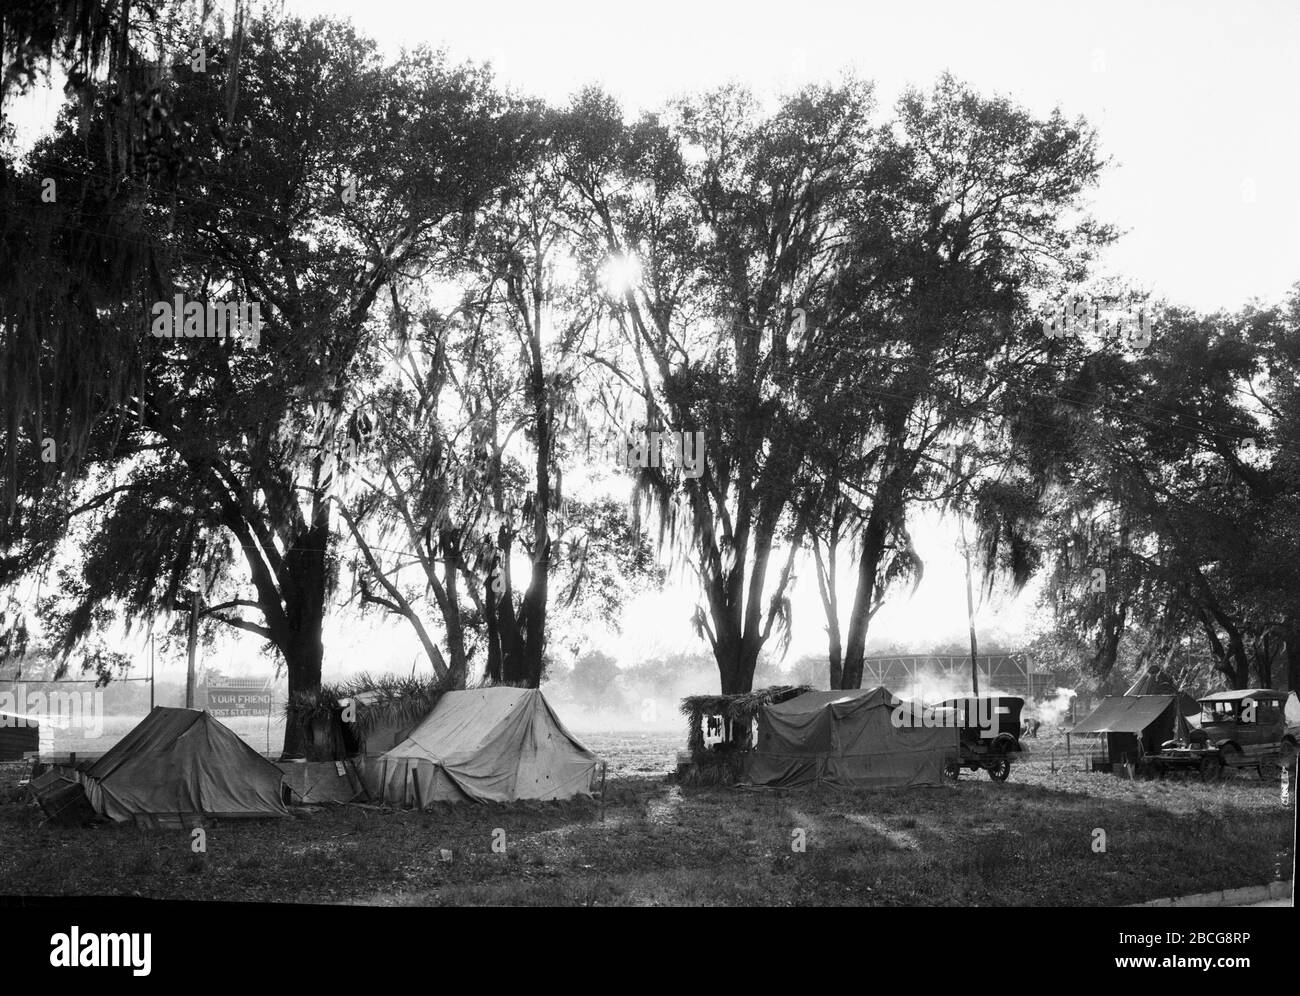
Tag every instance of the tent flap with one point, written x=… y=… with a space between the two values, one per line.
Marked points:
x=1125 y=714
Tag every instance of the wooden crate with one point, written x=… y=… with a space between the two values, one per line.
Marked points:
x=63 y=801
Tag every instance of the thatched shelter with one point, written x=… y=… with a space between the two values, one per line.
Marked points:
x=732 y=716
x=386 y=709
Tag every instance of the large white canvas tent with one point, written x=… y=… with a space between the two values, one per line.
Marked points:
x=182 y=762
x=485 y=744
x=851 y=738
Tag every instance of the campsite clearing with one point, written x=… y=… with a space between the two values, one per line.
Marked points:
x=1027 y=841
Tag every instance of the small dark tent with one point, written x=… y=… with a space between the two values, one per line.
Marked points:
x=18 y=735
x=1136 y=723
x=849 y=738
x=183 y=762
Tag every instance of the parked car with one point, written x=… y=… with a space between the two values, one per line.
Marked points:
x=1245 y=728
x=988 y=734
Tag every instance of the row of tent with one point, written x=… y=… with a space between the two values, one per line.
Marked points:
x=490 y=745
x=507 y=744
x=487 y=745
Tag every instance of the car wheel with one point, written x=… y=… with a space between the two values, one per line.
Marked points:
x=999 y=770
x=1211 y=768
x=1230 y=757
x=1288 y=753
x=951 y=769
x=1269 y=772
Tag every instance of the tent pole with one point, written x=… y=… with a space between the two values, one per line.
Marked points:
x=603 y=766
x=193 y=646
x=970 y=614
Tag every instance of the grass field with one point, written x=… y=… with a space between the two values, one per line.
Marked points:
x=1028 y=841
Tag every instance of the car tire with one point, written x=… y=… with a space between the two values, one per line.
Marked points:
x=1289 y=753
x=1230 y=757
x=1269 y=772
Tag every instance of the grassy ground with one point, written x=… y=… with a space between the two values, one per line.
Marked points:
x=1028 y=841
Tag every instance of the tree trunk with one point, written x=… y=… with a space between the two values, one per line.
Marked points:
x=1240 y=675
x=493 y=634
x=873 y=547
x=736 y=666
x=302 y=645
x=826 y=580
x=455 y=625
x=1264 y=653
x=1292 y=660
x=736 y=670
x=303 y=659
x=534 y=607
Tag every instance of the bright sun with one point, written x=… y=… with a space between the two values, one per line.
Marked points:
x=620 y=274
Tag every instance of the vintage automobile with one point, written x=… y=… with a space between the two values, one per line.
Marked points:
x=1245 y=728
x=988 y=733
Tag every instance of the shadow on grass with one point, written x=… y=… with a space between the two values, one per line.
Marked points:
x=969 y=843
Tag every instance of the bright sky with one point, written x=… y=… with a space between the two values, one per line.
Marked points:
x=1196 y=102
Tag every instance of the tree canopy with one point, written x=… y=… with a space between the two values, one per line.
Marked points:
x=306 y=331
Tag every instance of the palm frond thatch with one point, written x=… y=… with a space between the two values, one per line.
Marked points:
x=740 y=708
x=388 y=699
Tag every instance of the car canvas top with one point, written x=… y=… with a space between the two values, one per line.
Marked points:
x=1244 y=693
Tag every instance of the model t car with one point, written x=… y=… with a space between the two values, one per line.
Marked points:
x=988 y=734
x=1238 y=729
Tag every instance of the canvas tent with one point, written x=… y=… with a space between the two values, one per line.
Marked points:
x=1156 y=681
x=18 y=736
x=848 y=739
x=316 y=782
x=183 y=762
x=488 y=745
x=1135 y=725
